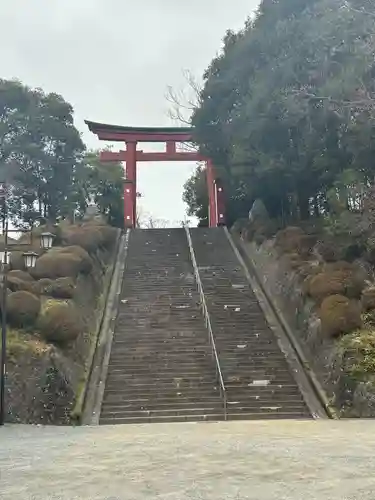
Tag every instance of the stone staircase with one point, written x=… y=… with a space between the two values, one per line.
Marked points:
x=161 y=367
x=258 y=380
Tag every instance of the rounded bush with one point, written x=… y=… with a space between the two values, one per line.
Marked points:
x=307 y=270
x=21 y=275
x=368 y=299
x=86 y=261
x=17 y=261
x=62 y=262
x=259 y=237
x=62 y=288
x=16 y=284
x=295 y=260
x=60 y=323
x=289 y=239
x=22 y=308
x=328 y=251
x=56 y=265
x=340 y=265
x=108 y=235
x=42 y=285
x=331 y=282
x=87 y=237
x=339 y=315
x=90 y=236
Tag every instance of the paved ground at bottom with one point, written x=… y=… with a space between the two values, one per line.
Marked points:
x=323 y=460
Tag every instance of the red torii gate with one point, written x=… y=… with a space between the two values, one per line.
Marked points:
x=131 y=136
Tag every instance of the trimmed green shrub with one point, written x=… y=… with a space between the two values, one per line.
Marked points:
x=62 y=288
x=21 y=275
x=42 y=285
x=339 y=278
x=16 y=284
x=368 y=299
x=17 y=261
x=87 y=237
x=60 y=323
x=56 y=265
x=86 y=260
x=287 y=239
x=339 y=315
x=22 y=308
x=62 y=262
x=90 y=236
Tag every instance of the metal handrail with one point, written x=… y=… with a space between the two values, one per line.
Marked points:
x=223 y=391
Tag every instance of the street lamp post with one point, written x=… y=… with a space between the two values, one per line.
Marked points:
x=46 y=242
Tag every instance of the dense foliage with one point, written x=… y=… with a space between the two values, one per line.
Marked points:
x=287 y=109
x=44 y=162
x=104 y=182
x=196 y=196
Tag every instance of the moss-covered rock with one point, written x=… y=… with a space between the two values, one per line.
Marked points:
x=339 y=315
x=22 y=308
x=60 y=323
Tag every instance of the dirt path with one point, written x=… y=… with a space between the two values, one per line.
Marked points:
x=321 y=460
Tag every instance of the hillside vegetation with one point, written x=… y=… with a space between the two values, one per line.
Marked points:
x=287 y=114
x=53 y=313
x=287 y=109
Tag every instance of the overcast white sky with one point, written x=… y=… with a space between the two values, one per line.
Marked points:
x=113 y=60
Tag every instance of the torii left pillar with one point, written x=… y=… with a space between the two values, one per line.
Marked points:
x=130 y=191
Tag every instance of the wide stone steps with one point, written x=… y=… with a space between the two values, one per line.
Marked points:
x=250 y=357
x=245 y=391
x=161 y=367
x=160 y=352
x=181 y=403
x=133 y=394
x=198 y=410
x=292 y=415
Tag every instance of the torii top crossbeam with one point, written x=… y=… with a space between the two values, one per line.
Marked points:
x=107 y=132
x=131 y=136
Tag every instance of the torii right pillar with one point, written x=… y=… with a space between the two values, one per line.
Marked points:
x=216 y=203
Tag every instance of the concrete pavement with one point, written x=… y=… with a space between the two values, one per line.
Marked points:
x=316 y=460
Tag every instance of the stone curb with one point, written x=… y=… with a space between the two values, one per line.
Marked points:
x=98 y=373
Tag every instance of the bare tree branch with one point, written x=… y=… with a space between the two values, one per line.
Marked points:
x=358 y=11
x=184 y=101
x=145 y=220
x=368 y=102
